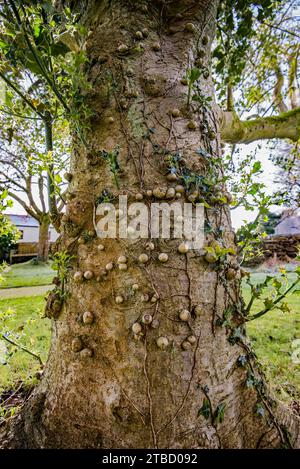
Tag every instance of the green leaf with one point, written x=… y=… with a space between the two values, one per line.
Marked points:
x=219 y=413
x=256 y=167
x=4 y=46
x=242 y=360
x=205 y=409
x=260 y=410
x=36 y=30
x=4 y=194
x=284 y=307
x=194 y=74
x=268 y=303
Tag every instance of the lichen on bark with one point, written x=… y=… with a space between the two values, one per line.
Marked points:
x=284 y=125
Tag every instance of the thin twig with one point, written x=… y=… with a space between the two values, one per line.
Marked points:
x=22 y=348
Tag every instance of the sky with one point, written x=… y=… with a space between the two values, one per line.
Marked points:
x=240 y=214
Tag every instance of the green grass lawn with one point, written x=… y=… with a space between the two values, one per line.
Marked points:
x=272 y=337
x=29 y=330
x=27 y=274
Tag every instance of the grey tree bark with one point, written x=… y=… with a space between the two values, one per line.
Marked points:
x=43 y=243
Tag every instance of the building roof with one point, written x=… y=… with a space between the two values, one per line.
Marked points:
x=23 y=221
x=289 y=224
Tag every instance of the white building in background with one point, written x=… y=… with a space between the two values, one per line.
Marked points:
x=289 y=223
x=29 y=228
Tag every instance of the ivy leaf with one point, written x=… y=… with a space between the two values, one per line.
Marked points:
x=4 y=46
x=277 y=284
x=242 y=360
x=236 y=336
x=250 y=382
x=207 y=227
x=202 y=152
x=284 y=307
x=205 y=409
x=268 y=303
x=219 y=413
x=260 y=410
x=194 y=74
x=36 y=30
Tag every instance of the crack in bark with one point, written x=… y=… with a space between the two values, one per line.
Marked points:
x=149 y=395
x=164 y=427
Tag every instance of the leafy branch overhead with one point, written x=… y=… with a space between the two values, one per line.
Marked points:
x=257 y=55
x=39 y=64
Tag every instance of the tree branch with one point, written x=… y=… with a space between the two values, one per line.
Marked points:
x=38 y=59
x=41 y=192
x=50 y=171
x=30 y=196
x=292 y=91
x=61 y=200
x=22 y=203
x=287 y=31
x=22 y=96
x=12 y=165
x=13 y=181
x=12 y=342
x=265 y=310
x=230 y=100
x=278 y=97
x=285 y=125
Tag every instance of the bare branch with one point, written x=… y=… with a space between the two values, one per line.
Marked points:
x=13 y=182
x=285 y=125
x=292 y=33
x=30 y=196
x=278 y=97
x=13 y=165
x=26 y=207
x=293 y=89
x=61 y=200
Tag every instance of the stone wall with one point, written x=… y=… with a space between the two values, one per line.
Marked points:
x=281 y=247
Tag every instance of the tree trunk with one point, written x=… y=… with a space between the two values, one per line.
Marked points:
x=103 y=385
x=43 y=244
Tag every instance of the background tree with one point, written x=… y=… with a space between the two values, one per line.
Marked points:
x=40 y=77
x=158 y=356
x=26 y=169
x=271 y=222
x=260 y=56
x=34 y=139
x=287 y=160
x=9 y=234
x=258 y=78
